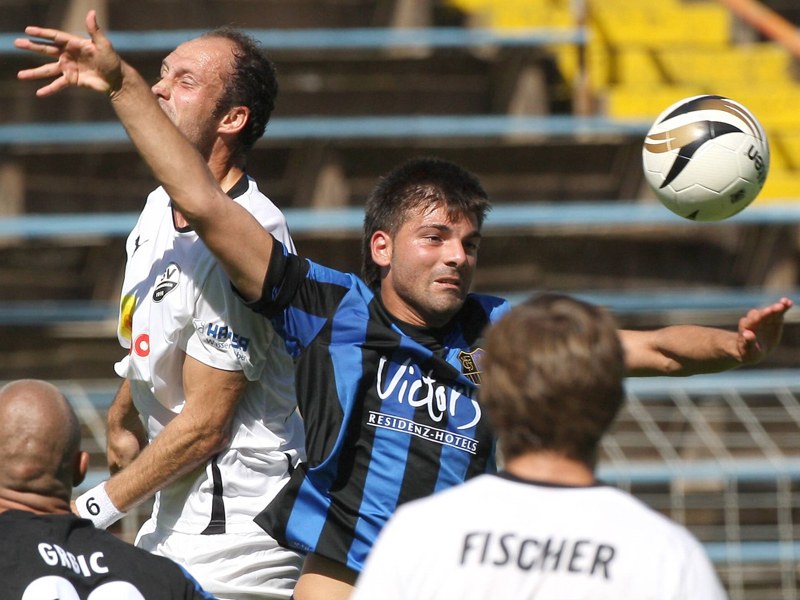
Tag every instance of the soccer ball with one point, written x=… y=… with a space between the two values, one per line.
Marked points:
x=706 y=158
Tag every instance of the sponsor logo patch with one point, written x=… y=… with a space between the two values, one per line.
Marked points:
x=222 y=337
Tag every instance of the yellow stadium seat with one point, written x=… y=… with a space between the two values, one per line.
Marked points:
x=643 y=56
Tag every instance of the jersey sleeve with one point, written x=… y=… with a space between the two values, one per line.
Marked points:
x=224 y=333
x=300 y=297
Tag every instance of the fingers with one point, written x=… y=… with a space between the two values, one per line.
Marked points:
x=47 y=71
x=40 y=72
x=749 y=336
x=44 y=48
x=93 y=28
x=91 y=24
x=53 y=87
x=56 y=36
x=769 y=314
x=786 y=303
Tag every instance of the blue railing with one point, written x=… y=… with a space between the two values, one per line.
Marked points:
x=372 y=38
x=73 y=134
x=503 y=217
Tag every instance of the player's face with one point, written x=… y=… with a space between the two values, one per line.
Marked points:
x=191 y=82
x=431 y=261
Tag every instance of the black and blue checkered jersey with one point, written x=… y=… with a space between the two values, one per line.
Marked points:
x=390 y=410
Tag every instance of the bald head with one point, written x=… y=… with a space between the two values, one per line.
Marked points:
x=39 y=440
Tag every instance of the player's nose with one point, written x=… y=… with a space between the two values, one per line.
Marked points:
x=456 y=253
x=160 y=88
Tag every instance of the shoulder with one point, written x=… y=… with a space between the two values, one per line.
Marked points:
x=156 y=203
x=638 y=518
x=478 y=312
x=324 y=274
x=265 y=211
x=493 y=307
x=158 y=194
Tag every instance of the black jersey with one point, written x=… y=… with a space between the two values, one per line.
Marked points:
x=390 y=410
x=64 y=557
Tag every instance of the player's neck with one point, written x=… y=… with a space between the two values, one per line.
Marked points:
x=226 y=167
x=230 y=178
x=551 y=468
x=32 y=502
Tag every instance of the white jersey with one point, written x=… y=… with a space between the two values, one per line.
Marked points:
x=176 y=299
x=499 y=537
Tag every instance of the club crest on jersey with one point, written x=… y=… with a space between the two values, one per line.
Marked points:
x=167 y=282
x=471 y=364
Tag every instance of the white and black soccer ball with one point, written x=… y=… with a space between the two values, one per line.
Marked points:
x=706 y=158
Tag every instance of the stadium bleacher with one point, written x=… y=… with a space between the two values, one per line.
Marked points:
x=359 y=94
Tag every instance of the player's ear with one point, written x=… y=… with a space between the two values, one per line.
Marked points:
x=381 y=247
x=80 y=467
x=234 y=120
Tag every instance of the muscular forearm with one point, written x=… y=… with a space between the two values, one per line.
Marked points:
x=680 y=350
x=191 y=438
x=689 y=349
x=181 y=447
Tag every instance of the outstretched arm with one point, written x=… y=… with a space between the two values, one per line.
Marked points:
x=690 y=349
x=233 y=235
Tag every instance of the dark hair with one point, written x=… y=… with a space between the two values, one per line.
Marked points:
x=418 y=183
x=552 y=377
x=253 y=83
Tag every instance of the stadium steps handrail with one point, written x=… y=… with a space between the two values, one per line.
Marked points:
x=749 y=470
x=752 y=552
x=356 y=38
x=503 y=217
x=85 y=134
x=30 y=313
x=647 y=389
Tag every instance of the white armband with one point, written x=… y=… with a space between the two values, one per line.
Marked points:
x=96 y=506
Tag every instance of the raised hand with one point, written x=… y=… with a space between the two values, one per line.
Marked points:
x=82 y=62
x=760 y=331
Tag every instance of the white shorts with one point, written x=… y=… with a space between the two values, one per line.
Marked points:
x=232 y=566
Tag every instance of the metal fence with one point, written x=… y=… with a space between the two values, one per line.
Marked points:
x=718 y=453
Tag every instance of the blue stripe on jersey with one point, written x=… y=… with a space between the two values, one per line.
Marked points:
x=390 y=448
x=348 y=330
x=380 y=490
x=308 y=516
x=302 y=329
x=299 y=327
